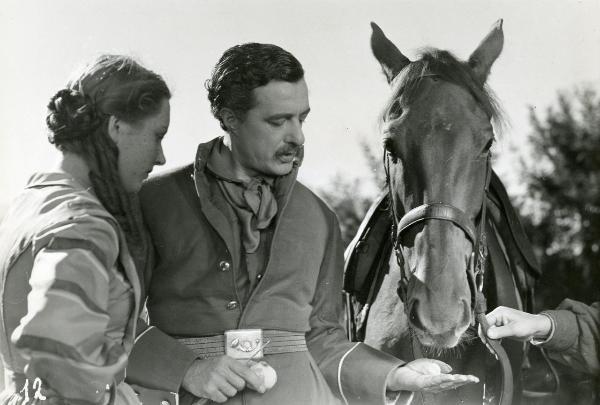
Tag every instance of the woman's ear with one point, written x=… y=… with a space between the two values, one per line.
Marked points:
x=230 y=120
x=114 y=128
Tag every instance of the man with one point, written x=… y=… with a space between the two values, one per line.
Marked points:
x=570 y=333
x=249 y=259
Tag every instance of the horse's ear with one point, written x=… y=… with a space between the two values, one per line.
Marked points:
x=487 y=52
x=391 y=59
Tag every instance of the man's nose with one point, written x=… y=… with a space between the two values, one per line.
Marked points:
x=295 y=134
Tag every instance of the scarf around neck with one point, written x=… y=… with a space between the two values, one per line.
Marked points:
x=252 y=201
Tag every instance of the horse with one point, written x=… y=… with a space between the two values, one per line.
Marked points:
x=444 y=236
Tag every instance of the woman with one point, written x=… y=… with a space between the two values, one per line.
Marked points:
x=70 y=244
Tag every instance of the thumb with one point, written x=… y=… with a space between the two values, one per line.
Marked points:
x=445 y=368
x=499 y=332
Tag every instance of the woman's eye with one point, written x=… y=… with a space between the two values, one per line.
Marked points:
x=277 y=123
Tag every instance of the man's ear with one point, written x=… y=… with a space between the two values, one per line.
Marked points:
x=115 y=128
x=229 y=119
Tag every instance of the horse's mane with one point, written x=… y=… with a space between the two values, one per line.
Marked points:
x=441 y=63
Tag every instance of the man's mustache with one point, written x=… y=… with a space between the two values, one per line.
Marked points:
x=286 y=150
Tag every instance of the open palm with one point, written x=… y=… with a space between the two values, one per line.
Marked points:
x=427 y=375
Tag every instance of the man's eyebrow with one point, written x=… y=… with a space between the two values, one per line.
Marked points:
x=286 y=115
x=277 y=116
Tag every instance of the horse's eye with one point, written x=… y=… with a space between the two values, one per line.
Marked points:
x=388 y=147
x=395 y=110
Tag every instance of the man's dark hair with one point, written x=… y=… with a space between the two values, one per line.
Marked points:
x=243 y=68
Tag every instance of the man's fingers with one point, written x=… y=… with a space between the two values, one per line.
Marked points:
x=446 y=386
x=253 y=380
x=236 y=381
x=214 y=394
x=228 y=389
x=220 y=383
x=451 y=380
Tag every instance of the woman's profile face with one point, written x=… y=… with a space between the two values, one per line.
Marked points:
x=140 y=146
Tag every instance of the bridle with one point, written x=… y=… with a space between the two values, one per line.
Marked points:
x=443 y=212
x=477 y=264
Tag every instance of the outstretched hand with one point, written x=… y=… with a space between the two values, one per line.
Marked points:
x=427 y=375
x=515 y=324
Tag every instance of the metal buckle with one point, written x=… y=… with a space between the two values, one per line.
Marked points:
x=244 y=344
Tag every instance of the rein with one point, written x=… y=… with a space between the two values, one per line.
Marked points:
x=477 y=265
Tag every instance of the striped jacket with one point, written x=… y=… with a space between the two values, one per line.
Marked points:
x=69 y=296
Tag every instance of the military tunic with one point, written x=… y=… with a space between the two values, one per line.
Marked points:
x=193 y=290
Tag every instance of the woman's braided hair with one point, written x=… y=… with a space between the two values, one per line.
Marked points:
x=114 y=85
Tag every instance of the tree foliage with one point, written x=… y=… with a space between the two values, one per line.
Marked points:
x=349 y=206
x=350 y=198
x=562 y=198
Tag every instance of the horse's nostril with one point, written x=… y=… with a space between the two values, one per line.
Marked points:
x=415 y=320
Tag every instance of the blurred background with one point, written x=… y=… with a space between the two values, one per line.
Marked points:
x=547 y=79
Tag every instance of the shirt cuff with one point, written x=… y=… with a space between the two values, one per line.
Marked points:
x=566 y=330
x=158 y=361
x=536 y=341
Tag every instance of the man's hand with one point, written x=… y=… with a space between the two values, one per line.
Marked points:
x=220 y=378
x=426 y=375
x=515 y=324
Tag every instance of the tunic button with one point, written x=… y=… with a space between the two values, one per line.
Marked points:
x=165 y=402
x=231 y=305
x=259 y=276
x=224 y=266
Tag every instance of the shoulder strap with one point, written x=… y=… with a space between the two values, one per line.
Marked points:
x=514 y=224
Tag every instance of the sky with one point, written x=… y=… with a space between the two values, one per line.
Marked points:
x=550 y=46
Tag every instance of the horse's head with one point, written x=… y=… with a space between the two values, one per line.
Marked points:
x=437 y=135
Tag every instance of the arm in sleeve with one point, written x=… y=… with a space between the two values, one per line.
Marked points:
x=576 y=339
x=157 y=360
x=355 y=372
x=62 y=336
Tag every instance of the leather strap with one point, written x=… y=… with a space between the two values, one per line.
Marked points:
x=514 y=224
x=439 y=211
x=506 y=396
x=279 y=342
